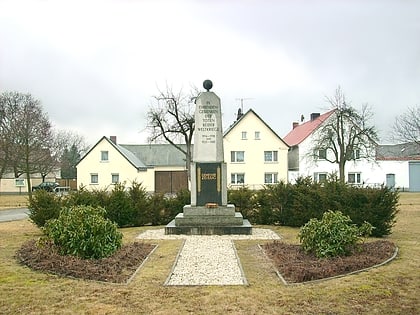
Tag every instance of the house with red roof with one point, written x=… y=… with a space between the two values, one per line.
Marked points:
x=394 y=165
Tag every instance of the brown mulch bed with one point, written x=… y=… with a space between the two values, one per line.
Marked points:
x=296 y=266
x=117 y=268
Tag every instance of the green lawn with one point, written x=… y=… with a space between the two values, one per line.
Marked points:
x=390 y=289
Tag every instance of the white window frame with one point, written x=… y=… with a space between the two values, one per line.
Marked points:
x=243 y=135
x=271 y=156
x=235 y=156
x=115 y=178
x=237 y=178
x=271 y=178
x=257 y=135
x=92 y=177
x=322 y=156
x=320 y=174
x=355 y=155
x=357 y=180
x=104 y=156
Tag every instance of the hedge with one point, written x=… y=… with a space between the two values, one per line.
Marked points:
x=280 y=204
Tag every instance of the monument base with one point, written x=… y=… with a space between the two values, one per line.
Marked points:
x=201 y=220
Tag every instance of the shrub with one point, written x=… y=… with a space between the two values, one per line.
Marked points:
x=84 y=232
x=44 y=206
x=333 y=235
x=175 y=204
x=119 y=207
x=84 y=197
x=157 y=209
x=244 y=201
x=139 y=204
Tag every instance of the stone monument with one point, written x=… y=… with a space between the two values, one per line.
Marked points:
x=208 y=212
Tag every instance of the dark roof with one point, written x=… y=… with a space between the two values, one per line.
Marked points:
x=398 y=152
x=157 y=154
x=302 y=131
x=231 y=127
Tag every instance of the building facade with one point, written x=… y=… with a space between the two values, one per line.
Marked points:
x=255 y=156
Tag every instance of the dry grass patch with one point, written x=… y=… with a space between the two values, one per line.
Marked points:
x=391 y=289
x=13 y=201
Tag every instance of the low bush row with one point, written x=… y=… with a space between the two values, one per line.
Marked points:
x=295 y=204
x=126 y=206
x=280 y=204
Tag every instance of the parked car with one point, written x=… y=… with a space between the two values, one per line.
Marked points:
x=48 y=186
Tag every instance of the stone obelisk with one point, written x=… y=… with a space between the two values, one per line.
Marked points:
x=208 y=212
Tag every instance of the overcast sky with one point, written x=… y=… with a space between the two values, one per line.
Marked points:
x=95 y=65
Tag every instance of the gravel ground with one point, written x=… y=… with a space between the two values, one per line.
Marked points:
x=208 y=260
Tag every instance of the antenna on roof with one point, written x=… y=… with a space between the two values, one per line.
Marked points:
x=242 y=102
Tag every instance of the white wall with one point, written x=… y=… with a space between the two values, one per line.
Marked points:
x=116 y=164
x=254 y=166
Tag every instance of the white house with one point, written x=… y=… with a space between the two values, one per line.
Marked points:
x=154 y=166
x=390 y=165
x=254 y=153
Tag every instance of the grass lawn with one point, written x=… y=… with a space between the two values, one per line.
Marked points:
x=390 y=289
x=13 y=201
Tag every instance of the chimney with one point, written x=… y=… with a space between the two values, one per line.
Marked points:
x=295 y=124
x=315 y=116
x=113 y=139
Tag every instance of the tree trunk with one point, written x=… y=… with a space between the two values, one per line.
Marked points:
x=342 y=174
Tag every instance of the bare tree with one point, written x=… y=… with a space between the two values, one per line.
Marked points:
x=171 y=119
x=406 y=127
x=68 y=148
x=26 y=133
x=346 y=135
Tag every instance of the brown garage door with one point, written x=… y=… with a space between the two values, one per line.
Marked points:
x=170 y=181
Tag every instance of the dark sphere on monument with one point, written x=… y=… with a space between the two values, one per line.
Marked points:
x=207 y=84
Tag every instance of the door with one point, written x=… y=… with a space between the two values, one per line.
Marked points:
x=170 y=181
x=414 y=175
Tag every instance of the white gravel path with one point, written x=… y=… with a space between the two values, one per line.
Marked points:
x=208 y=260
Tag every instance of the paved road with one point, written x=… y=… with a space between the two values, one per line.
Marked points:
x=14 y=214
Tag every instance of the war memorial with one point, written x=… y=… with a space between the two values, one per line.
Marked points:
x=209 y=213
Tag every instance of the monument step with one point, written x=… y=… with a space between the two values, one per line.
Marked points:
x=228 y=210
x=205 y=220
x=244 y=229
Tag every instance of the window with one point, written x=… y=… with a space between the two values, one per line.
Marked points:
x=243 y=135
x=270 y=178
x=237 y=178
x=19 y=182
x=104 y=155
x=354 y=178
x=257 y=135
x=93 y=178
x=237 y=156
x=320 y=177
x=270 y=156
x=322 y=154
x=355 y=154
x=115 y=178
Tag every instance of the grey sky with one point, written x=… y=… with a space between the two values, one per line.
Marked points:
x=95 y=65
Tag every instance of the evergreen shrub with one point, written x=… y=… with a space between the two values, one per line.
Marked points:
x=119 y=207
x=83 y=231
x=139 y=203
x=333 y=235
x=244 y=201
x=43 y=206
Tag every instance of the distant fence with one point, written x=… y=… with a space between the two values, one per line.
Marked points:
x=68 y=182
